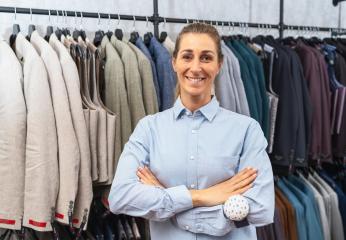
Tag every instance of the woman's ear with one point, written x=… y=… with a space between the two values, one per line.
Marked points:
x=173 y=63
x=220 y=65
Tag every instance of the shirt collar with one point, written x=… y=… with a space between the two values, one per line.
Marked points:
x=208 y=111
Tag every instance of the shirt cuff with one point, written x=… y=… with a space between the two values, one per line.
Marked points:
x=181 y=198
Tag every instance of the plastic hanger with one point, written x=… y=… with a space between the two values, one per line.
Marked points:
x=50 y=29
x=98 y=34
x=76 y=33
x=148 y=35
x=32 y=27
x=118 y=32
x=135 y=35
x=15 y=29
x=109 y=33
x=163 y=34
x=58 y=31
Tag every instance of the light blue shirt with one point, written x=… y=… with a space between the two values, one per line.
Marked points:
x=196 y=150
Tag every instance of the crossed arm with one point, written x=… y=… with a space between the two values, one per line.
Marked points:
x=148 y=198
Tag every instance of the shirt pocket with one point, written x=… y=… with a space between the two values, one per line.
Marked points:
x=216 y=169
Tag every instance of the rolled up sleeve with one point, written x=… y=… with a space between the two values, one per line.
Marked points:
x=129 y=196
x=206 y=220
x=212 y=221
x=261 y=197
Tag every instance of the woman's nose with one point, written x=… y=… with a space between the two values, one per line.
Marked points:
x=195 y=66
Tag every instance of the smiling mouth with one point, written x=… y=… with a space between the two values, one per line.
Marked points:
x=195 y=79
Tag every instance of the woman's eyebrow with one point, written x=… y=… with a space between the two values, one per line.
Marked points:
x=204 y=51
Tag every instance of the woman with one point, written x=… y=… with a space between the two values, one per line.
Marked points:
x=182 y=164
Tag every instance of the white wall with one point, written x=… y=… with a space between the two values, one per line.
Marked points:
x=297 y=12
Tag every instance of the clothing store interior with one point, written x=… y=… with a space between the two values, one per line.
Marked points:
x=77 y=77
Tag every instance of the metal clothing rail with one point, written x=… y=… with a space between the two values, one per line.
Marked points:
x=156 y=19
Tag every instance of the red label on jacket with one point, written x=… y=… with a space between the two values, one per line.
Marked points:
x=59 y=215
x=75 y=221
x=7 y=221
x=37 y=224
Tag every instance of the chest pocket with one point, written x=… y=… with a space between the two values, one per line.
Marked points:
x=216 y=169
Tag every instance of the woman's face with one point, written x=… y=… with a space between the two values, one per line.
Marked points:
x=196 y=65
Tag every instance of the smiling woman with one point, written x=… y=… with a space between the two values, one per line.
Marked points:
x=181 y=165
x=197 y=63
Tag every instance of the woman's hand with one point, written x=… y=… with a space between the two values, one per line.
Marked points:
x=215 y=195
x=147 y=177
x=219 y=193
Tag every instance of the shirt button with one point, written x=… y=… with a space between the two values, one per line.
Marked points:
x=199 y=229
x=192 y=186
x=187 y=227
x=192 y=157
x=194 y=131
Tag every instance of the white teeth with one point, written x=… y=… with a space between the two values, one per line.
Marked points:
x=195 y=80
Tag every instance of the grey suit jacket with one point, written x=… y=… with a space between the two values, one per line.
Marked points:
x=70 y=74
x=68 y=148
x=148 y=88
x=224 y=88
x=12 y=139
x=41 y=156
x=321 y=207
x=242 y=106
x=337 y=228
x=133 y=80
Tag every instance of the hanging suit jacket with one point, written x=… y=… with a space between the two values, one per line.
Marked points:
x=41 y=156
x=148 y=88
x=115 y=94
x=243 y=107
x=225 y=90
x=91 y=112
x=97 y=75
x=165 y=73
x=140 y=44
x=70 y=74
x=12 y=139
x=169 y=45
x=133 y=80
x=68 y=149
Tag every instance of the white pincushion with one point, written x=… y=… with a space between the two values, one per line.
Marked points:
x=236 y=208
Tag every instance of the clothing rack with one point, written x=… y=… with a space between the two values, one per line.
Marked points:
x=156 y=19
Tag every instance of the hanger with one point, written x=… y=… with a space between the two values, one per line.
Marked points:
x=15 y=29
x=76 y=33
x=50 y=29
x=98 y=34
x=163 y=35
x=32 y=27
x=118 y=32
x=109 y=33
x=58 y=31
x=147 y=37
x=65 y=30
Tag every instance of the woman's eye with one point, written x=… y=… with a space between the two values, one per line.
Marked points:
x=186 y=57
x=206 y=58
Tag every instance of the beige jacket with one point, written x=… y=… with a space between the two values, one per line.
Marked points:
x=68 y=149
x=12 y=139
x=70 y=74
x=133 y=80
x=41 y=156
x=115 y=95
x=148 y=88
x=169 y=45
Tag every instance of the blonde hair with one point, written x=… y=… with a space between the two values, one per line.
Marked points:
x=200 y=28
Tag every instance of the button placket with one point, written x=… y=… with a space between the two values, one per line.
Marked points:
x=193 y=150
